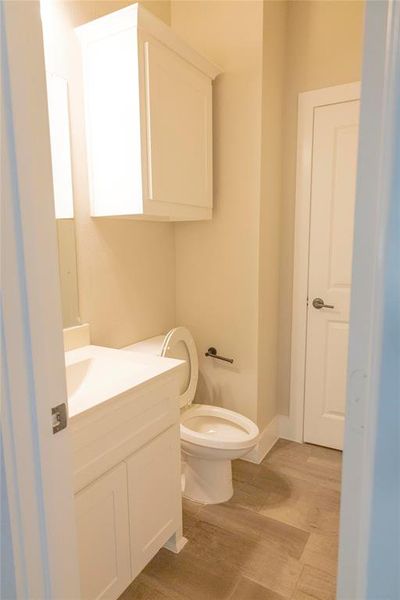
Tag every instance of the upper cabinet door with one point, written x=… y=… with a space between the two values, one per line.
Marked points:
x=178 y=123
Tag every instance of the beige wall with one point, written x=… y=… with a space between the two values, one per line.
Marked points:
x=234 y=274
x=217 y=261
x=324 y=47
x=126 y=269
x=274 y=54
x=229 y=279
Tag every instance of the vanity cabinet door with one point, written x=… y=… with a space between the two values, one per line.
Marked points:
x=103 y=536
x=154 y=496
x=178 y=122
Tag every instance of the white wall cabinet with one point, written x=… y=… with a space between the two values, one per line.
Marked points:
x=148 y=113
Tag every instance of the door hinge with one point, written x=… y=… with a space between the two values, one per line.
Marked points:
x=59 y=417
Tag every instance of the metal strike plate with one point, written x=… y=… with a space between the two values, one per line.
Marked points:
x=59 y=417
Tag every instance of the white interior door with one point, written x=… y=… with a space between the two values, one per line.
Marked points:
x=333 y=183
x=41 y=551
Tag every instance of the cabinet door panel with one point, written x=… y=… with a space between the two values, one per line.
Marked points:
x=112 y=116
x=103 y=536
x=154 y=496
x=178 y=128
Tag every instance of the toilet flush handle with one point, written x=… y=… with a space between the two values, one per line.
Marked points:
x=212 y=352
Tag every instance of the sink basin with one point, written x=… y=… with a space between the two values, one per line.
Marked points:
x=96 y=374
x=75 y=374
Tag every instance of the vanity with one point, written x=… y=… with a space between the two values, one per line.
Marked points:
x=124 y=423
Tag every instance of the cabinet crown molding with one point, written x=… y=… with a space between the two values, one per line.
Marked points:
x=139 y=18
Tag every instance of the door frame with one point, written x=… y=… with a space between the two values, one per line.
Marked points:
x=376 y=193
x=370 y=496
x=307 y=103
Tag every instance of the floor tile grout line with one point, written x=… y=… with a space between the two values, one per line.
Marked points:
x=275 y=521
x=234 y=589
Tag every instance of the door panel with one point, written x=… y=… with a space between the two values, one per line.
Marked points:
x=334 y=166
x=335 y=362
x=342 y=197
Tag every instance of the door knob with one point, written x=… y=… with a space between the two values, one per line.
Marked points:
x=318 y=303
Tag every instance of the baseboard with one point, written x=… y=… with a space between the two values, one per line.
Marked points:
x=287 y=429
x=268 y=437
x=281 y=426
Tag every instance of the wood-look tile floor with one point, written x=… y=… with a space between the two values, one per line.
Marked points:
x=275 y=539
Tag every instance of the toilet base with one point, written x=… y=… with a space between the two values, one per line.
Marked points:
x=207 y=481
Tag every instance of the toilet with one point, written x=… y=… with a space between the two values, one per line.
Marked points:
x=211 y=436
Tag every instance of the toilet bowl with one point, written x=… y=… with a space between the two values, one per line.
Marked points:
x=211 y=436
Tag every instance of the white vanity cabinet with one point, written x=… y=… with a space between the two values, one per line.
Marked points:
x=148 y=113
x=125 y=516
x=126 y=464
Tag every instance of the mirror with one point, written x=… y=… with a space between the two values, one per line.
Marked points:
x=57 y=95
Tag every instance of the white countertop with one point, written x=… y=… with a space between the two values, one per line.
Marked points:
x=96 y=374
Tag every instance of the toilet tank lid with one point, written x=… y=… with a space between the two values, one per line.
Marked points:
x=163 y=345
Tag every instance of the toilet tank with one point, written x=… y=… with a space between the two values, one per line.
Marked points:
x=188 y=377
x=150 y=346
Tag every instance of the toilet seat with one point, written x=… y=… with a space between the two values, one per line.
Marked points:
x=169 y=349
x=217 y=427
